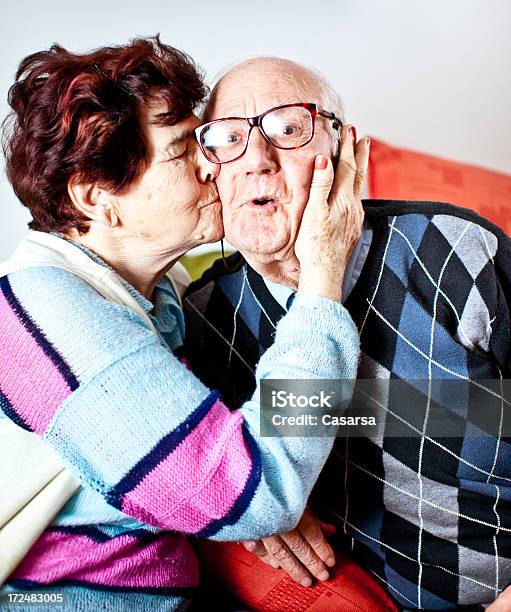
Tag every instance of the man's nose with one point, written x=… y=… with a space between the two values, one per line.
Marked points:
x=204 y=169
x=261 y=157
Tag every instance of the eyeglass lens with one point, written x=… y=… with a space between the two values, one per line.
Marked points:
x=286 y=128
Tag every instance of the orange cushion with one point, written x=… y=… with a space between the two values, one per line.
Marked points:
x=262 y=588
x=405 y=175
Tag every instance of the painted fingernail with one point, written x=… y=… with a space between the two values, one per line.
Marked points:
x=320 y=163
x=330 y=561
x=324 y=575
x=306 y=582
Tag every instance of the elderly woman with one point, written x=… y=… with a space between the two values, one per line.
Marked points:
x=100 y=149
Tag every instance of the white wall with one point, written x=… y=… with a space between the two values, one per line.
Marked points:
x=433 y=75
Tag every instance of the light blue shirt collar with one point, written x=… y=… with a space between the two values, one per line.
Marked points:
x=282 y=294
x=166 y=312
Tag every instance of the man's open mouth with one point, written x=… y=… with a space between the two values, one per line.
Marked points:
x=262 y=201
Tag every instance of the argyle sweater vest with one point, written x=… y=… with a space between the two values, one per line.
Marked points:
x=430 y=517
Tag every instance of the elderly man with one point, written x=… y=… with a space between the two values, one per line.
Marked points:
x=429 y=286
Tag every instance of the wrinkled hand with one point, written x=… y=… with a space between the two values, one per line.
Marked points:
x=332 y=220
x=302 y=552
x=502 y=603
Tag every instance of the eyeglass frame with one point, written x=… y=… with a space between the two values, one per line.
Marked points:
x=312 y=107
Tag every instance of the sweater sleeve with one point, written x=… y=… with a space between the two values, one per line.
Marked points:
x=133 y=423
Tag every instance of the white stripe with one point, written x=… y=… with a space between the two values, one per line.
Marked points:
x=216 y=330
x=258 y=302
x=387 y=583
x=488 y=251
x=428 y=405
x=379 y=276
x=346 y=483
x=439 y=365
x=468 y=342
x=497 y=590
x=497 y=447
x=398 y=552
x=432 y=440
x=426 y=501
x=234 y=323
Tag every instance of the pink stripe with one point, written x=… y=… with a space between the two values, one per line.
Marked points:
x=30 y=381
x=122 y=561
x=198 y=482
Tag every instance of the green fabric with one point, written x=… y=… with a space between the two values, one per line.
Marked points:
x=197 y=264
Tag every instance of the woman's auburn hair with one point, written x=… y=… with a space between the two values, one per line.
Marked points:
x=80 y=115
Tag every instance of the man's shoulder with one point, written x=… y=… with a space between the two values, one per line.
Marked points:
x=427 y=222
x=380 y=210
x=439 y=261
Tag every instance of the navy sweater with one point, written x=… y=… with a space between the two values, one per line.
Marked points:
x=429 y=515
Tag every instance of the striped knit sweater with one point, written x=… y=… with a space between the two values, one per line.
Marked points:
x=158 y=453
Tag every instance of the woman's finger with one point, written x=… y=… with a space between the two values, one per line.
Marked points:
x=309 y=545
x=327 y=528
x=362 y=149
x=287 y=559
x=346 y=165
x=256 y=547
x=322 y=179
x=310 y=528
x=269 y=560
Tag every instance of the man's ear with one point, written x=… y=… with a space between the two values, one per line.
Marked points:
x=95 y=202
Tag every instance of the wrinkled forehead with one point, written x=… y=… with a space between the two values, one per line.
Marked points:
x=249 y=91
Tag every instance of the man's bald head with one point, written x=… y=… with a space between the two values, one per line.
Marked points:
x=264 y=191
x=305 y=80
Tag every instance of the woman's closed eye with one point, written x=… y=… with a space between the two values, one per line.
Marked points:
x=175 y=153
x=178 y=157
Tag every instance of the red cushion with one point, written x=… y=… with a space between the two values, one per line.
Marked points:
x=405 y=175
x=260 y=587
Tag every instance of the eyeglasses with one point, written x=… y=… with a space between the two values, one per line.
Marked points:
x=289 y=126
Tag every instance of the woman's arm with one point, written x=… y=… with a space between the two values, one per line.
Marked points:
x=134 y=423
